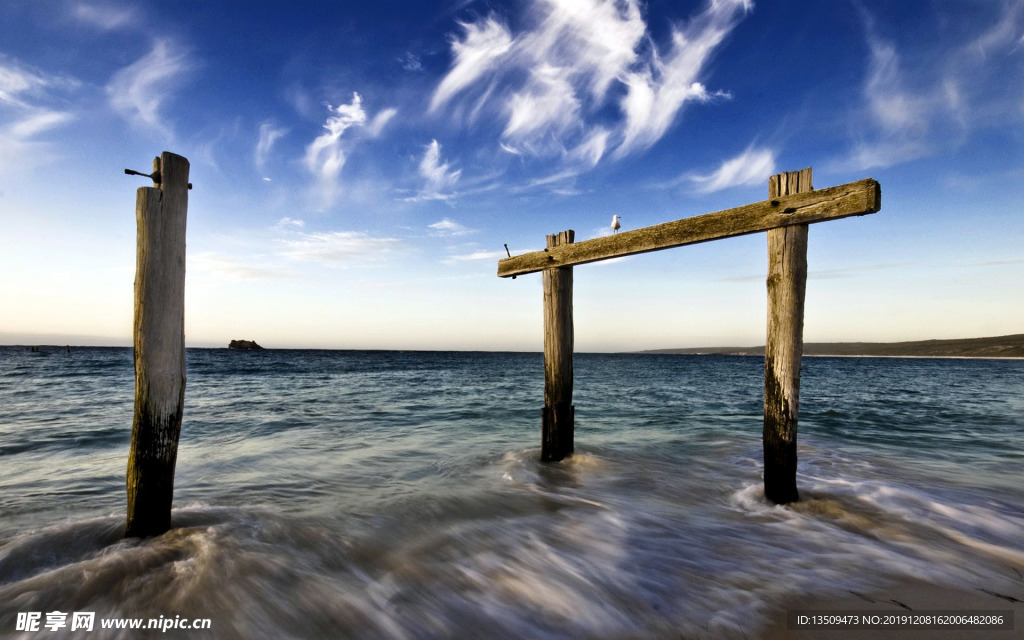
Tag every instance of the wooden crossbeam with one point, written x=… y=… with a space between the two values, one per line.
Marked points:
x=853 y=199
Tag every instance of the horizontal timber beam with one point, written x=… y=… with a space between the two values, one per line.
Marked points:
x=853 y=199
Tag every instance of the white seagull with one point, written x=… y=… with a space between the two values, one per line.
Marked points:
x=615 y=223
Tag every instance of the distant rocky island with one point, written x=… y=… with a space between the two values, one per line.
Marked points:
x=996 y=347
x=245 y=345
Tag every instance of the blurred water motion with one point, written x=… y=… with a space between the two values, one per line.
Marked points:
x=399 y=495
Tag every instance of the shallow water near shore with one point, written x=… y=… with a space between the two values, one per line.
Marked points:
x=400 y=495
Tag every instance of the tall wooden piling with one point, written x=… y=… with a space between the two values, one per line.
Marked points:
x=787 y=279
x=557 y=415
x=160 y=212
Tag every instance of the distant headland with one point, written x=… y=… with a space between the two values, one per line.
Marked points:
x=997 y=347
x=245 y=345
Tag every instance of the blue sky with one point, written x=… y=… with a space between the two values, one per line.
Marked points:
x=359 y=166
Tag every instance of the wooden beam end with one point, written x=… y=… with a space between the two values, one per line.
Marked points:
x=875 y=198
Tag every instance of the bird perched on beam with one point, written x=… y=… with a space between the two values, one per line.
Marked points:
x=615 y=223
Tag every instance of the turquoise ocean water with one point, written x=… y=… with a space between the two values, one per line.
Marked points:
x=399 y=495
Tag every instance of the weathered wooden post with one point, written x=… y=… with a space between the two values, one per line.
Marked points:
x=787 y=280
x=160 y=212
x=791 y=206
x=557 y=415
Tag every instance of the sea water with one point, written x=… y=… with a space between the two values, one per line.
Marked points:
x=384 y=494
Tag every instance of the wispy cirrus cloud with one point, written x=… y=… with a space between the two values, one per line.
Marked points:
x=290 y=223
x=269 y=134
x=139 y=91
x=543 y=111
x=26 y=96
x=24 y=87
x=39 y=121
x=906 y=116
x=438 y=174
x=16 y=82
x=551 y=83
x=380 y=121
x=340 y=248
x=660 y=88
x=900 y=117
x=277 y=251
x=447 y=228
x=102 y=16
x=439 y=178
x=411 y=62
x=327 y=154
x=1006 y=32
x=481 y=49
x=751 y=167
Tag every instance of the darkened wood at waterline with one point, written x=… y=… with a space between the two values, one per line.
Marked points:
x=792 y=205
x=159 y=347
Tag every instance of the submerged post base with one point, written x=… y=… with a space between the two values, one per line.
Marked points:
x=557 y=424
x=779 y=471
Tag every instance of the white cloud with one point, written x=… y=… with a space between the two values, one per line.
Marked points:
x=899 y=118
x=656 y=93
x=248 y=257
x=551 y=83
x=15 y=81
x=480 y=50
x=139 y=91
x=22 y=87
x=438 y=174
x=592 y=149
x=905 y=116
x=380 y=121
x=507 y=148
x=573 y=162
x=345 y=248
x=892 y=106
x=544 y=109
x=38 y=122
x=25 y=95
x=269 y=134
x=411 y=62
x=439 y=178
x=449 y=228
x=103 y=16
x=597 y=39
x=327 y=154
x=1007 y=32
x=751 y=167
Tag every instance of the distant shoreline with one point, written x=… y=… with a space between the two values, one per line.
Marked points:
x=995 y=348
x=818 y=355
x=923 y=357
x=999 y=347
